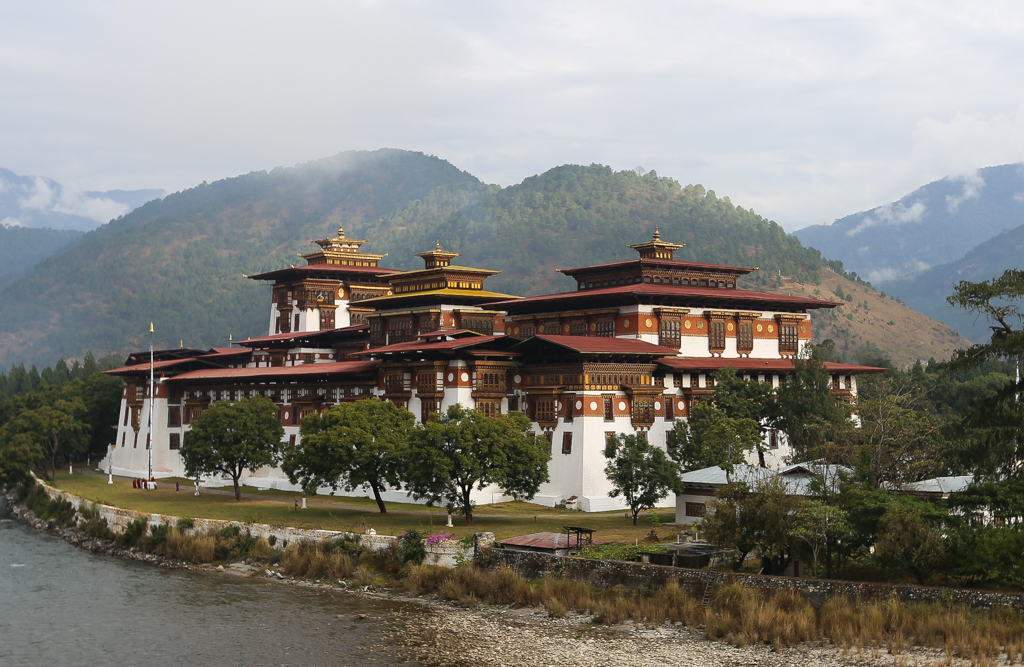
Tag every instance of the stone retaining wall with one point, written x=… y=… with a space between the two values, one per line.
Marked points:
x=608 y=573
x=447 y=553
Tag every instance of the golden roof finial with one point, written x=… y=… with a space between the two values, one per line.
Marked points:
x=341 y=231
x=657 y=234
x=437 y=245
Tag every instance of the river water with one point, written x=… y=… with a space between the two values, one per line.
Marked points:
x=60 y=605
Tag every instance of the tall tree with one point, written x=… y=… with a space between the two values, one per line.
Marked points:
x=639 y=472
x=462 y=449
x=806 y=410
x=52 y=420
x=232 y=438
x=710 y=438
x=351 y=445
x=746 y=399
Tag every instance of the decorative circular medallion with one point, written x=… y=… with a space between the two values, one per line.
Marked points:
x=680 y=405
x=803 y=328
x=700 y=324
x=593 y=326
x=622 y=406
x=625 y=324
x=687 y=324
x=517 y=379
x=451 y=377
x=389 y=292
x=729 y=326
x=657 y=405
x=516 y=331
x=565 y=328
x=593 y=405
x=330 y=356
x=579 y=405
x=465 y=377
x=760 y=328
x=649 y=322
x=317 y=355
x=771 y=328
x=287 y=415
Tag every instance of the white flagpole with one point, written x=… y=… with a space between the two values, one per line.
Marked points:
x=149 y=477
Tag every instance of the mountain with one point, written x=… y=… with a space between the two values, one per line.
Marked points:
x=37 y=201
x=932 y=225
x=926 y=291
x=180 y=261
x=22 y=247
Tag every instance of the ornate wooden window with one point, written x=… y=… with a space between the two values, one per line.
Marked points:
x=550 y=436
x=426 y=382
x=399 y=330
x=745 y=336
x=490 y=382
x=545 y=410
x=376 y=332
x=788 y=337
x=527 y=330
x=394 y=383
x=567 y=443
x=174 y=416
x=428 y=406
x=695 y=509
x=773 y=439
x=513 y=403
x=428 y=323
x=578 y=328
x=670 y=332
x=175 y=441
x=296 y=327
x=609 y=408
x=291 y=442
x=489 y=408
x=483 y=325
x=670 y=409
x=570 y=403
x=127 y=414
x=716 y=335
x=174 y=396
x=326 y=319
x=605 y=329
x=136 y=412
x=643 y=411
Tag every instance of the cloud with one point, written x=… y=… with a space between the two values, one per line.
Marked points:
x=39 y=197
x=973 y=183
x=891 y=214
x=11 y=222
x=100 y=209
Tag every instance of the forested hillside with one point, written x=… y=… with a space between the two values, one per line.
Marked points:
x=22 y=247
x=179 y=262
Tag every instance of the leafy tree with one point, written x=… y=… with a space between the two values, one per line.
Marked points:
x=18 y=452
x=746 y=399
x=232 y=438
x=640 y=472
x=822 y=527
x=350 y=445
x=806 y=410
x=756 y=515
x=710 y=438
x=49 y=422
x=462 y=449
x=909 y=541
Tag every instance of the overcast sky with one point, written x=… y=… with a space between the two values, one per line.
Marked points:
x=805 y=111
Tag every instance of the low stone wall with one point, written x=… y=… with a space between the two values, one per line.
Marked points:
x=447 y=553
x=609 y=573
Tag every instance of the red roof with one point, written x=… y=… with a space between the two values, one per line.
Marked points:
x=325 y=268
x=601 y=345
x=138 y=368
x=277 y=338
x=650 y=290
x=674 y=263
x=544 y=541
x=303 y=370
x=754 y=365
x=225 y=353
x=419 y=345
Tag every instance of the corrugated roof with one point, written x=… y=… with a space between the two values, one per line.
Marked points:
x=941 y=485
x=645 y=290
x=326 y=268
x=600 y=344
x=424 y=346
x=284 y=337
x=545 y=541
x=302 y=370
x=138 y=368
x=754 y=365
x=461 y=293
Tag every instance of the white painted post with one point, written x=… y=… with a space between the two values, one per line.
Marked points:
x=197 y=487
x=303 y=501
x=449 y=524
x=71 y=471
x=110 y=474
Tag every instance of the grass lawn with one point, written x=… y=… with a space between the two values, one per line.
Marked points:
x=277 y=507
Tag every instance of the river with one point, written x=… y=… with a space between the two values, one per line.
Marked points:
x=60 y=605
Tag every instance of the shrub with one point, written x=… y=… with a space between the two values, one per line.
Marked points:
x=411 y=548
x=133 y=534
x=91 y=523
x=157 y=537
x=185 y=524
x=190 y=548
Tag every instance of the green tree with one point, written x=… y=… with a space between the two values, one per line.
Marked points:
x=821 y=527
x=232 y=438
x=910 y=540
x=19 y=451
x=48 y=422
x=806 y=410
x=746 y=399
x=640 y=472
x=710 y=438
x=754 y=514
x=351 y=445
x=462 y=449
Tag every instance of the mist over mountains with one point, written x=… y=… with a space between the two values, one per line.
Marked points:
x=37 y=202
x=935 y=224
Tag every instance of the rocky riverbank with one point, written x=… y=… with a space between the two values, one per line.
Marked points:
x=488 y=636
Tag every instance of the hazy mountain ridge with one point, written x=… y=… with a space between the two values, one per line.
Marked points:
x=22 y=247
x=41 y=202
x=935 y=224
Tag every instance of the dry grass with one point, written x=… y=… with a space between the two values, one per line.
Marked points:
x=190 y=548
x=315 y=561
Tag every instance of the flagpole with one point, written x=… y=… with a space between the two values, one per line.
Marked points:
x=149 y=477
